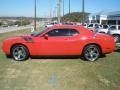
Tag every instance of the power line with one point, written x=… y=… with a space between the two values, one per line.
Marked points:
x=51 y=10
x=83 y=12
x=59 y=11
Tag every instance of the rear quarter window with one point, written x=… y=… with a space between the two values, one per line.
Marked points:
x=74 y=32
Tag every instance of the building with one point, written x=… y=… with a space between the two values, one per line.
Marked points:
x=111 y=18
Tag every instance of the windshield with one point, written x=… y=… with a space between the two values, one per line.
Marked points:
x=37 y=33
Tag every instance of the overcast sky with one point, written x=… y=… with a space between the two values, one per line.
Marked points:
x=26 y=7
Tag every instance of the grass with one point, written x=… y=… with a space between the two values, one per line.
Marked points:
x=59 y=74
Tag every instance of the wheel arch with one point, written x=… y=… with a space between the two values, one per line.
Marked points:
x=19 y=44
x=116 y=34
x=92 y=44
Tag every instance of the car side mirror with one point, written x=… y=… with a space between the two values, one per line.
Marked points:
x=46 y=36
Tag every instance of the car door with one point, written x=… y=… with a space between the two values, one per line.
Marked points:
x=59 y=42
x=73 y=45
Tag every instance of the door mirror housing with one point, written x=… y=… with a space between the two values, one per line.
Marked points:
x=46 y=36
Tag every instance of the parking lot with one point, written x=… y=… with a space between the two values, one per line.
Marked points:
x=58 y=73
x=59 y=45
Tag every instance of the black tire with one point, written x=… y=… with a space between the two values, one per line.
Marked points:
x=91 y=53
x=19 y=53
x=116 y=38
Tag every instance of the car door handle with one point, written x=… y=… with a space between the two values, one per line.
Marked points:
x=66 y=39
x=70 y=38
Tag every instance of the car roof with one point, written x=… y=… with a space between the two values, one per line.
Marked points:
x=67 y=27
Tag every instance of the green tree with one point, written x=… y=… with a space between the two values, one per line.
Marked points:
x=74 y=17
x=22 y=22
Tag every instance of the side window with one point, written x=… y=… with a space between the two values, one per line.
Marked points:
x=105 y=26
x=91 y=25
x=73 y=32
x=118 y=27
x=112 y=28
x=59 y=32
x=96 y=26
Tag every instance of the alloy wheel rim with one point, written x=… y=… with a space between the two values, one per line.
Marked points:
x=19 y=53
x=92 y=53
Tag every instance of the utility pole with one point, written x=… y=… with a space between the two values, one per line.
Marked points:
x=35 y=15
x=83 y=12
x=51 y=11
x=55 y=11
x=21 y=19
x=63 y=7
x=59 y=11
x=69 y=6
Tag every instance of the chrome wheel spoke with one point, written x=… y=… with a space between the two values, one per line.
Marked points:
x=19 y=56
x=92 y=53
x=16 y=53
x=95 y=54
x=19 y=53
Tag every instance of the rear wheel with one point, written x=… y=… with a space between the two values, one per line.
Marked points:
x=91 y=52
x=19 y=53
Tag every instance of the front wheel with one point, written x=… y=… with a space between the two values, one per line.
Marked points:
x=91 y=52
x=19 y=53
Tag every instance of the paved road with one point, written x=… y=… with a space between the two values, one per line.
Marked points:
x=13 y=28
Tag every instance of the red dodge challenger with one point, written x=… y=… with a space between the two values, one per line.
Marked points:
x=63 y=40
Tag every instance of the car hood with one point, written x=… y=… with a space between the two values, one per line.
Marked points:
x=19 y=38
